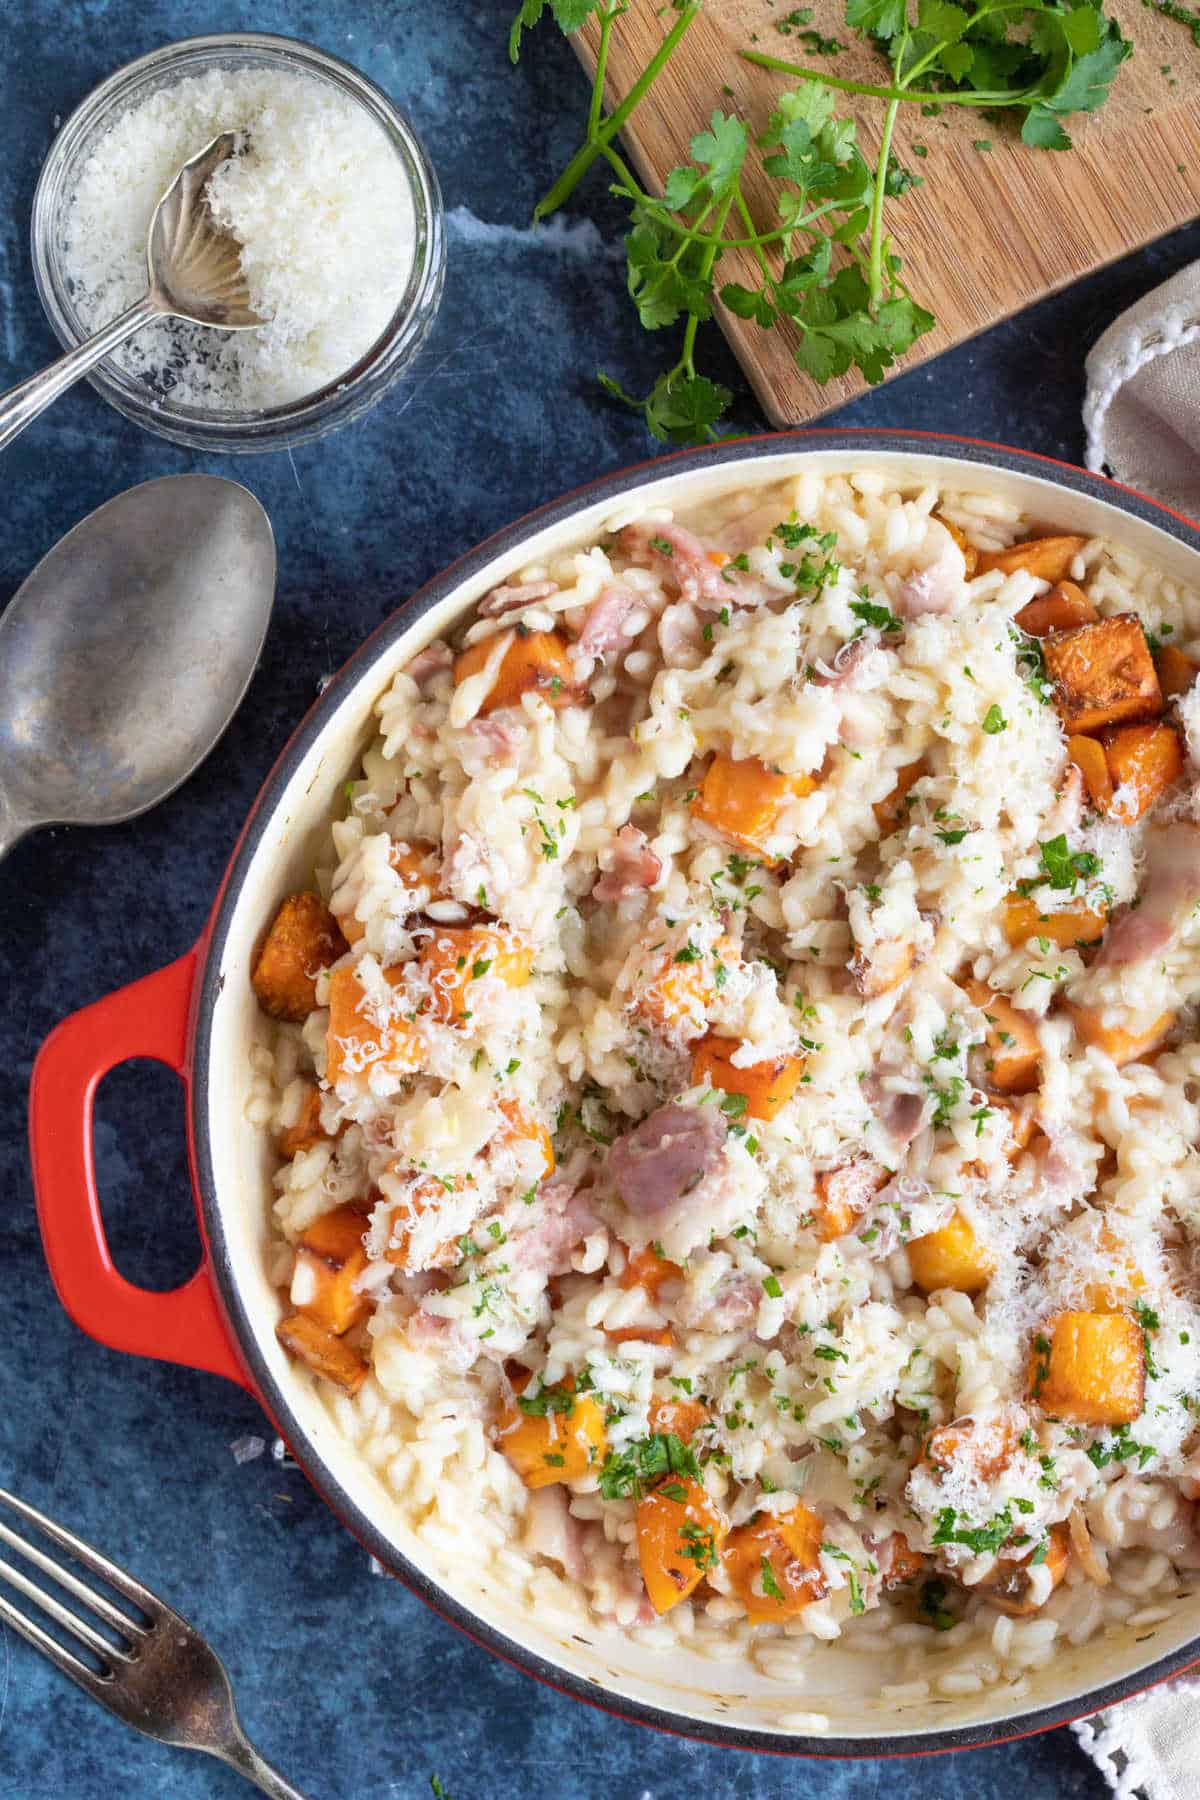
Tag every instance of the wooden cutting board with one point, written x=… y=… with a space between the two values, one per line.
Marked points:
x=988 y=232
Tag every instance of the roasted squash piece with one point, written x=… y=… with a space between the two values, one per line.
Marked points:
x=523 y=1126
x=898 y=1561
x=560 y=1444
x=765 y=1086
x=1118 y=1287
x=1087 y=754
x=1103 y=674
x=1022 y=1123
x=536 y=662
x=1143 y=762
x=1176 y=672
x=1089 y=1368
x=1121 y=1045
x=970 y=553
x=303 y=939
x=329 y=1259
x=1075 y=923
x=679 y=1536
x=1062 y=608
x=307 y=1131
x=892 y=813
x=1008 y=1586
x=742 y=799
x=1014 y=1050
x=951 y=1257
x=325 y=1354
x=773 y=1564
x=650 y=1271
x=1048 y=558
x=843 y=1196
x=424 y=1197
x=681 y=1418
x=883 y=968
x=354 y=1044
x=982 y=1446
x=459 y=955
x=677 y=995
x=662 y=1335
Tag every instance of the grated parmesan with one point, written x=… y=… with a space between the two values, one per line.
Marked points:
x=319 y=200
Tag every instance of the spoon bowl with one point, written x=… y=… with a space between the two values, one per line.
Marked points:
x=193 y=263
x=126 y=652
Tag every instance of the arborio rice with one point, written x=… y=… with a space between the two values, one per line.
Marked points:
x=737 y=1085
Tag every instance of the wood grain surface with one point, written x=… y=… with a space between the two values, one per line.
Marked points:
x=987 y=232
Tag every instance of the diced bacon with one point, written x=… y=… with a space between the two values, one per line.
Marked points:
x=442 y=1337
x=679 y=558
x=565 y=1219
x=633 y=868
x=604 y=626
x=733 y=1303
x=521 y=593
x=660 y=1162
x=552 y=1530
x=495 y=737
x=429 y=662
x=899 y=1114
x=1170 y=889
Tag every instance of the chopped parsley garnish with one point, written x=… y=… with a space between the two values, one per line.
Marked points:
x=556 y=1399
x=994 y=720
x=980 y=1540
x=931 y=1605
x=770 y=1585
x=1119 y=1448
x=876 y=618
x=627 y=1473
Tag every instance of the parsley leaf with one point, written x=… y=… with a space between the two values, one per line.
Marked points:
x=626 y=1473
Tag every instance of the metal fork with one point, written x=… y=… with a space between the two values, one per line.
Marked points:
x=163 y=1678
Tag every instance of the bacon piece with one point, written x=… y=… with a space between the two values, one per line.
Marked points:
x=566 y=1218
x=634 y=867
x=604 y=626
x=1170 y=889
x=679 y=558
x=660 y=1162
x=429 y=662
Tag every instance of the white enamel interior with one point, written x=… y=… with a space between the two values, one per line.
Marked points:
x=845 y=1686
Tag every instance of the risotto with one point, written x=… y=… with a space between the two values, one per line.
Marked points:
x=736 y=1085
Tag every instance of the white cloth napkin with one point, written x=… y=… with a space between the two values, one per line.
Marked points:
x=1147 y=1746
x=1142 y=410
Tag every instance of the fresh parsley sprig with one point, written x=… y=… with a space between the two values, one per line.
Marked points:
x=1046 y=58
x=848 y=310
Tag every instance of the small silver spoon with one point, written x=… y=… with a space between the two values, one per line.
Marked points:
x=194 y=270
x=124 y=655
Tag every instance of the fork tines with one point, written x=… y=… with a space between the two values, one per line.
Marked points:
x=130 y=1630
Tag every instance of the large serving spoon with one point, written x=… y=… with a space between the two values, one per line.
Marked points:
x=124 y=655
x=194 y=270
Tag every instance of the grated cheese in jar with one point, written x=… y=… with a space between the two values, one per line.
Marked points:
x=318 y=198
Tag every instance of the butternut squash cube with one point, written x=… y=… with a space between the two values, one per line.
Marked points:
x=679 y=1536
x=649 y=1271
x=743 y=799
x=536 y=662
x=1089 y=1368
x=843 y=1196
x=676 y=995
x=1049 y=558
x=1143 y=762
x=892 y=813
x=982 y=1447
x=329 y=1259
x=523 y=1126
x=325 y=1354
x=459 y=955
x=1076 y=923
x=1176 y=672
x=354 y=1043
x=1008 y=1586
x=765 y=1086
x=423 y=1198
x=1103 y=674
x=1062 y=608
x=1088 y=756
x=1121 y=1045
x=660 y=1335
x=303 y=939
x=773 y=1564
x=1014 y=1050
x=307 y=1131
x=1119 y=1286
x=883 y=969
x=951 y=1257
x=556 y=1445
x=679 y=1418
x=898 y=1561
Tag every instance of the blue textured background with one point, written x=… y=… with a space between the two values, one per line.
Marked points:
x=346 y=1680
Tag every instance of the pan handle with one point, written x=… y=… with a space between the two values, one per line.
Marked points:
x=147 y=1018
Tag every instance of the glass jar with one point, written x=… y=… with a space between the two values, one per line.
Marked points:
x=360 y=386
